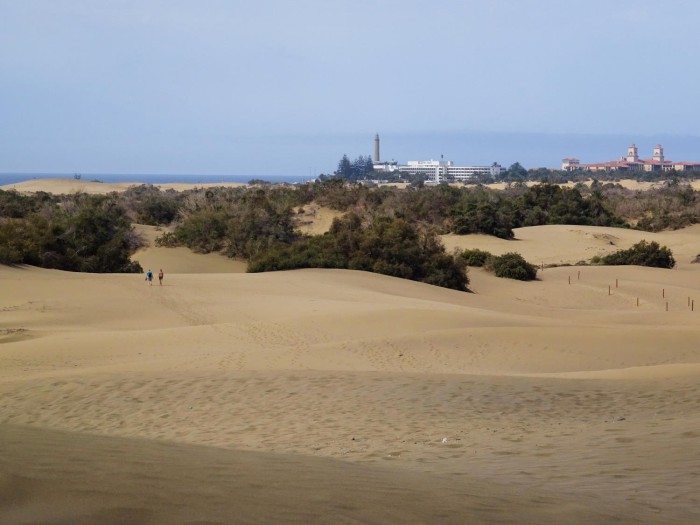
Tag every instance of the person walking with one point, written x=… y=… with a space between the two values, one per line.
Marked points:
x=149 y=277
x=160 y=277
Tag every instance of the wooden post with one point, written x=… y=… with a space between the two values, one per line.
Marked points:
x=615 y=283
x=579 y=275
x=608 y=289
x=637 y=301
x=663 y=292
x=569 y=279
x=667 y=306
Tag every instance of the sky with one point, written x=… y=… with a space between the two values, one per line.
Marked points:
x=273 y=87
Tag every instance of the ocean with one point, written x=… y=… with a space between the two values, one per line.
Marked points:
x=12 y=178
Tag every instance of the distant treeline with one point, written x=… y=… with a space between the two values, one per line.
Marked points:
x=384 y=229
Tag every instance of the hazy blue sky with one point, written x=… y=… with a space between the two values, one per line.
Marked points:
x=270 y=87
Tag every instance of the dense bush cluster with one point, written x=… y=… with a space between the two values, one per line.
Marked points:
x=552 y=204
x=484 y=211
x=674 y=205
x=642 y=254
x=497 y=213
x=475 y=257
x=388 y=246
x=509 y=265
x=14 y=205
x=235 y=221
x=148 y=205
x=78 y=233
x=512 y=266
x=470 y=209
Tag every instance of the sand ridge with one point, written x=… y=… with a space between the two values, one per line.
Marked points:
x=60 y=186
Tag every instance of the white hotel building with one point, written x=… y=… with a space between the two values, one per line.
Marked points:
x=436 y=171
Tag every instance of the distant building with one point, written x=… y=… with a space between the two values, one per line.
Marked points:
x=632 y=162
x=436 y=171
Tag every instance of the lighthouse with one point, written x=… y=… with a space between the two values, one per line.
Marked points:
x=376 y=149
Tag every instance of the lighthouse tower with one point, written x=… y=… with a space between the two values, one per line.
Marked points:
x=376 y=149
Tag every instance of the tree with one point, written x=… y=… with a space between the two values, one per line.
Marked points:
x=344 y=168
x=516 y=172
x=357 y=169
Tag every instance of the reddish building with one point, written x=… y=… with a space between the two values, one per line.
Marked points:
x=632 y=162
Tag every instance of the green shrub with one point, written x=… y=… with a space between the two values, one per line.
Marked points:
x=88 y=233
x=475 y=257
x=318 y=251
x=642 y=254
x=238 y=222
x=167 y=240
x=15 y=205
x=483 y=211
x=203 y=231
x=149 y=205
x=157 y=210
x=512 y=266
x=388 y=246
x=551 y=204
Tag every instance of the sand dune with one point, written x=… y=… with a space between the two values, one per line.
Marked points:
x=564 y=244
x=67 y=186
x=111 y=481
x=327 y=396
x=180 y=259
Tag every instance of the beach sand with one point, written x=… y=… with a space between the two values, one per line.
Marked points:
x=329 y=396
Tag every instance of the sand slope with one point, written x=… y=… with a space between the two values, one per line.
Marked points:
x=344 y=397
x=121 y=481
x=564 y=244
